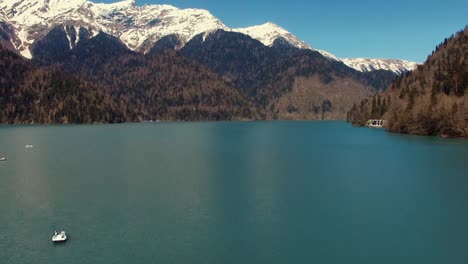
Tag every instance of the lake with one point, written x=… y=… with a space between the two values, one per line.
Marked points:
x=232 y=192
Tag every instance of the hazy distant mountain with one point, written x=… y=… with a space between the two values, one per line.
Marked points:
x=368 y=65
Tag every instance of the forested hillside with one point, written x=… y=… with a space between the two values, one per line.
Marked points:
x=269 y=75
x=124 y=88
x=225 y=75
x=33 y=95
x=431 y=100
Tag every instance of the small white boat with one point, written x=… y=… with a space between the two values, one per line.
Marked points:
x=28 y=146
x=3 y=159
x=59 y=237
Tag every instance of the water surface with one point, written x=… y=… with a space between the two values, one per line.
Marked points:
x=246 y=192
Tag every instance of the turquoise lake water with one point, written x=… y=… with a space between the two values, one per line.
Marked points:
x=240 y=192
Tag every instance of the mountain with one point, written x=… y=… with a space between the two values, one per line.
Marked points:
x=161 y=62
x=257 y=77
x=139 y=28
x=431 y=100
x=368 y=65
x=290 y=83
x=268 y=33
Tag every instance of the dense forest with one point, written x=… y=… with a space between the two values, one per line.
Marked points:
x=128 y=89
x=33 y=95
x=431 y=100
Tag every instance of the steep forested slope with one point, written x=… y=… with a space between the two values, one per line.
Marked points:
x=156 y=86
x=268 y=74
x=431 y=100
x=32 y=95
x=102 y=81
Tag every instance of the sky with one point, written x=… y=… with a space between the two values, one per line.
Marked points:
x=399 y=29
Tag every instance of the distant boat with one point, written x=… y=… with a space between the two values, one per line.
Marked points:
x=59 y=237
x=3 y=159
x=29 y=146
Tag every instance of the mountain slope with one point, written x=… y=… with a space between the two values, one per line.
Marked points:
x=431 y=100
x=116 y=85
x=6 y=34
x=269 y=73
x=163 y=86
x=251 y=75
x=267 y=34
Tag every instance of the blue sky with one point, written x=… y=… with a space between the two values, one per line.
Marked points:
x=403 y=29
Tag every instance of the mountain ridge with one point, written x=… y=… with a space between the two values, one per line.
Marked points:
x=139 y=27
x=369 y=64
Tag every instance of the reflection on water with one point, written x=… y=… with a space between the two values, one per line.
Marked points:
x=251 y=192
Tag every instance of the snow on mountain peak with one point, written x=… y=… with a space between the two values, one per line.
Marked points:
x=138 y=27
x=115 y=6
x=62 y=4
x=267 y=33
x=368 y=65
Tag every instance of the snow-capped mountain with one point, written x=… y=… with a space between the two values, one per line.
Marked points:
x=139 y=27
x=368 y=65
x=267 y=33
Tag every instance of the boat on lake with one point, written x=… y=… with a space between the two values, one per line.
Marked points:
x=29 y=146
x=59 y=237
x=3 y=159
